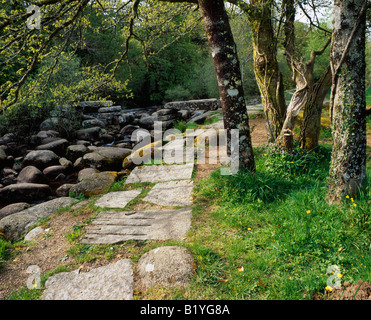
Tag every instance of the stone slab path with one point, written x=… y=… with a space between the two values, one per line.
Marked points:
x=173 y=188
x=171 y=193
x=118 y=199
x=115 y=227
x=160 y=173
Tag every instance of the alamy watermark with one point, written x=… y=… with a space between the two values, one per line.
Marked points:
x=34 y=21
x=34 y=280
x=334 y=280
x=188 y=147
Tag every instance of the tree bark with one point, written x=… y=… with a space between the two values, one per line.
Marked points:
x=348 y=163
x=311 y=125
x=267 y=72
x=309 y=95
x=228 y=73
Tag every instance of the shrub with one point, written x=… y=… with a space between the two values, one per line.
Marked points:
x=23 y=118
x=177 y=93
x=180 y=125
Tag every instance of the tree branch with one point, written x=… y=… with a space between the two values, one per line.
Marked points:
x=21 y=82
x=310 y=20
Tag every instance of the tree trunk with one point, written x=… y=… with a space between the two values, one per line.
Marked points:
x=348 y=106
x=267 y=72
x=311 y=126
x=228 y=73
x=309 y=95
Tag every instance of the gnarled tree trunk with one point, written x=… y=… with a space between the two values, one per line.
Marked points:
x=228 y=73
x=267 y=72
x=309 y=95
x=348 y=106
x=311 y=125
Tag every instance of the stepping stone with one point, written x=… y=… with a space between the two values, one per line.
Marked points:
x=169 y=266
x=171 y=194
x=117 y=199
x=178 y=151
x=116 y=227
x=173 y=152
x=160 y=173
x=111 y=282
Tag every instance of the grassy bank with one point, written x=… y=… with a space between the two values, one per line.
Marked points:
x=273 y=236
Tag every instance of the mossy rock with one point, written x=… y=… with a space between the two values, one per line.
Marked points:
x=95 y=184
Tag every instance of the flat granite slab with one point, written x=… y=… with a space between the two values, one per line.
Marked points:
x=115 y=227
x=174 y=152
x=171 y=193
x=111 y=282
x=118 y=199
x=158 y=173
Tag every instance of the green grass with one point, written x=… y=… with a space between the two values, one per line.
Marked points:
x=280 y=229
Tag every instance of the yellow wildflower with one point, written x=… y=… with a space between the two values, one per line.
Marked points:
x=328 y=288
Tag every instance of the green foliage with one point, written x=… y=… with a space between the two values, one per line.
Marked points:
x=76 y=233
x=79 y=196
x=177 y=93
x=23 y=118
x=180 y=125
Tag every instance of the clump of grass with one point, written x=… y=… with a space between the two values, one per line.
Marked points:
x=6 y=249
x=297 y=162
x=182 y=125
x=212 y=119
x=244 y=187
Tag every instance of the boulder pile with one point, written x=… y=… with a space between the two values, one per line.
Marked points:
x=56 y=161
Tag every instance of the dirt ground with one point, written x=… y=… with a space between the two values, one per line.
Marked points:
x=47 y=252
x=50 y=250
x=349 y=291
